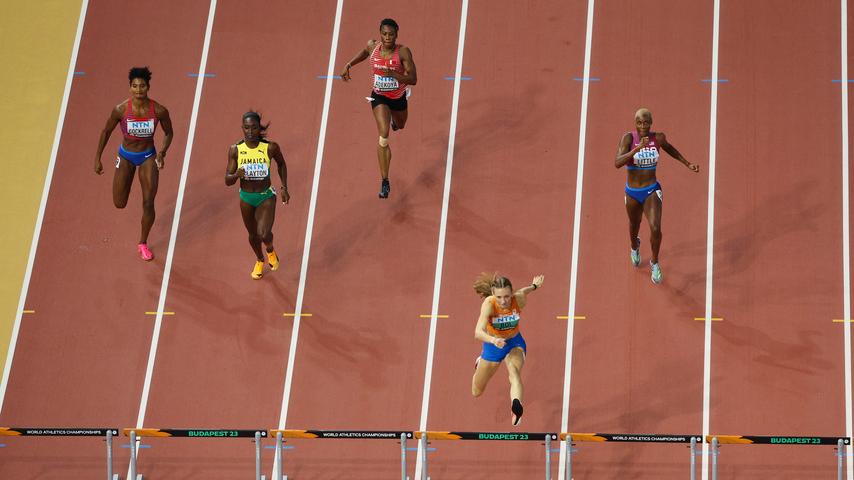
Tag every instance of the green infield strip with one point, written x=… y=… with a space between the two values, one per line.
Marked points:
x=36 y=40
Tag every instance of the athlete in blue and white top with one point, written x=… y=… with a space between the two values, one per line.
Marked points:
x=639 y=151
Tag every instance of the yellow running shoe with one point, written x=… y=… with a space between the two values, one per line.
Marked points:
x=273 y=260
x=258 y=271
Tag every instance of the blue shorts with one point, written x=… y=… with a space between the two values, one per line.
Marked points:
x=136 y=158
x=491 y=353
x=641 y=194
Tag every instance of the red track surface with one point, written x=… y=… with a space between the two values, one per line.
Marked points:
x=80 y=358
x=777 y=355
x=638 y=355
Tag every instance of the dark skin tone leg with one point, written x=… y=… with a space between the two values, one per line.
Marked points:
x=382 y=114
x=122 y=180
x=651 y=209
x=259 y=224
x=652 y=212
x=635 y=211
x=149 y=178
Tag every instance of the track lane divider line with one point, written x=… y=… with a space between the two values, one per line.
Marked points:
x=576 y=231
x=710 y=237
x=57 y=136
x=173 y=235
x=443 y=229
x=846 y=238
x=309 y=229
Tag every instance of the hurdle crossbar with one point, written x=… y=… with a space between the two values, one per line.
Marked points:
x=692 y=440
x=280 y=435
x=107 y=433
x=841 y=444
x=545 y=437
x=136 y=433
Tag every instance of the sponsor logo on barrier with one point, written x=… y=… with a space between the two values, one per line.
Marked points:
x=502 y=436
x=799 y=440
x=212 y=433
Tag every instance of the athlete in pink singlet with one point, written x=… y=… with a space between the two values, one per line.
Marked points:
x=639 y=152
x=393 y=72
x=138 y=117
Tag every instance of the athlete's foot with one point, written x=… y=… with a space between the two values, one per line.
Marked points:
x=517 y=410
x=273 y=260
x=144 y=252
x=385 y=187
x=656 y=272
x=636 y=256
x=258 y=271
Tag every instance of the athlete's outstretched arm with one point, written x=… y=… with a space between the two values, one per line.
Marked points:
x=671 y=150
x=113 y=120
x=282 y=167
x=625 y=152
x=232 y=174
x=522 y=293
x=480 y=333
x=358 y=58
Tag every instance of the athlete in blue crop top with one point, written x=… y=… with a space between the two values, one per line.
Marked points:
x=638 y=151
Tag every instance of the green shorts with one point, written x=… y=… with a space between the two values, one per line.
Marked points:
x=257 y=198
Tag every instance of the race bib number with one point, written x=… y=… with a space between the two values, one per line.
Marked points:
x=256 y=171
x=647 y=157
x=506 y=322
x=141 y=128
x=385 y=84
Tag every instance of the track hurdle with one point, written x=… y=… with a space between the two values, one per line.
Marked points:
x=107 y=433
x=545 y=437
x=135 y=433
x=841 y=444
x=691 y=440
x=280 y=435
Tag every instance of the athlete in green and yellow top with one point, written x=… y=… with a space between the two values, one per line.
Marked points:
x=249 y=161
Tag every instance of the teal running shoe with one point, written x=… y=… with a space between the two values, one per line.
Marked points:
x=656 y=272
x=636 y=257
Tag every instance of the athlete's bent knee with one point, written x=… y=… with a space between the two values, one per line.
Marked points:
x=383 y=141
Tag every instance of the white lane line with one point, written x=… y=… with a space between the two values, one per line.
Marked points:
x=315 y=185
x=576 y=232
x=846 y=256
x=167 y=269
x=710 y=239
x=57 y=136
x=443 y=223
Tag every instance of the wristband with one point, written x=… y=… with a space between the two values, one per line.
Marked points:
x=534 y=285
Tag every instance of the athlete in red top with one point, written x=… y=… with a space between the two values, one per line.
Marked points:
x=393 y=72
x=639 y=152
x=138 y=116
x=498 y=329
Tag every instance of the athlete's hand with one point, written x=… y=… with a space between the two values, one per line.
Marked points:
x=644 y=142
x=286 y=197
x=498 y=342
x=538 y=281
x=345 y=75
x=693 y=167
x=99 y=169
x=158 y=160
x=241 y=173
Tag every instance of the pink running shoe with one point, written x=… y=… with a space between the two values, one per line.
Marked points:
x=144 y=252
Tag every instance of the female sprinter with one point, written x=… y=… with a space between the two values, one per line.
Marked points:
x=638 y=151
x=249 y=162
x=498 y=329
x=394 y=72
x=139 y=116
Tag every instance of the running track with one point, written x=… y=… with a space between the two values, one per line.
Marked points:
x=777 y=360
